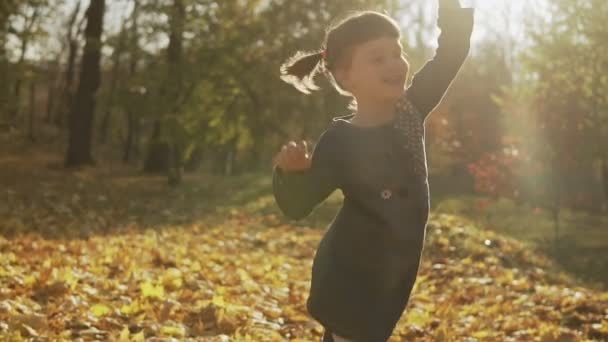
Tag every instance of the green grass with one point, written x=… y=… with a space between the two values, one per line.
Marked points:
x=583 y=238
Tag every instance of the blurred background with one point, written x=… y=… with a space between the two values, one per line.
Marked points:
x=186 y=85
x=176 y=87
x=136 y=140
x=172 y=87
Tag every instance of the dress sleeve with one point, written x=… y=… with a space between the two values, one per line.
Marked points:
x=431 y=82
x=297 y=193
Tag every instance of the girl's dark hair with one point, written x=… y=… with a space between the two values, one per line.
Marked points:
x=357 y=28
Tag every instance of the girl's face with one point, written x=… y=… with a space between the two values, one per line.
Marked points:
x=377 y=72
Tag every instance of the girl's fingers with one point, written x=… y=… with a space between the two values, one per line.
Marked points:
x=304 y=146
x=276 y=160
x=281 y=159
x=292 y=154
x=287 y=157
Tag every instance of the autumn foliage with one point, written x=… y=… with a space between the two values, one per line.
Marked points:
x=242 y=272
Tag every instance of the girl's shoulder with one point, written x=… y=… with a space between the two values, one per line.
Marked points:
x=341 y=119
x=343 y=122
x=334 y=136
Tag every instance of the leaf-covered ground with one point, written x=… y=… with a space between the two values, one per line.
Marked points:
x=125 y=258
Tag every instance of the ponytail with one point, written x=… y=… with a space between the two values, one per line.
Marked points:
x=300 y=70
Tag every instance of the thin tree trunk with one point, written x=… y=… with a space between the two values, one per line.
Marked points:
x=555 y=214
x=174 y=58
x=132 y=120
x=68 y=86
x=231 y=157
x=26 y=35
x=50 y=101
x=6 y=9
x=82 y=113
x=4 y=88
x=105 y=122
x=136 y=146
x=157 y=161
x=161 y=151
x=129 y=141
x=605 y=182
x=174 y=176
x=32 y=108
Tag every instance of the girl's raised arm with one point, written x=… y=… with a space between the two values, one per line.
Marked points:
x=431 y=82
x=297 y=193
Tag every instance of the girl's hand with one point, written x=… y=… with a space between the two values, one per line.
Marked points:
x=293 y=157
x=449 y=4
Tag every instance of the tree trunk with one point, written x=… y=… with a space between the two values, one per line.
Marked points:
x=26 y=35
x=32 y=107
x=15 y=101
x=170 y=153
x=136 y=147
x=555 y=211
x=605 y=181
x=193 y=163
x=174 y=175
x=83 y=109
x=174 y=56
x=6 y=9
x=4 y=88
x=105 y=122
x=130 y=133
x=50 y=101
x=132 y=121
x=68 y=86
x=158 y=158
x=230 y=157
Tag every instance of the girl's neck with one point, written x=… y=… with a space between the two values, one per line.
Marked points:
x=373 y=113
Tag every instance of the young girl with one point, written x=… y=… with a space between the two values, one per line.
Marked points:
x=367 y=262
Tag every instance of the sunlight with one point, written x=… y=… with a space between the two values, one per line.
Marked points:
x=151 y=187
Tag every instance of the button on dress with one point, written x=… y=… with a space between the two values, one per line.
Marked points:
x=366 y=263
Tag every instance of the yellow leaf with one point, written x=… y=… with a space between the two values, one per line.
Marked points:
x=175 y=331
x=219 y=301
x=29 y=280
x=100 y=310
x=124 y=335
x=131 y=308
x=482 y=334
x=153 y=291
x=418 y=317
x=68 y=277
x=295 y=316
x=172 y=279
x=601 y=327
x=196 y=267
x=139 y=337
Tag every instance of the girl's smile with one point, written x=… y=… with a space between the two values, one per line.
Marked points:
x=376 y=77
x=378 y=70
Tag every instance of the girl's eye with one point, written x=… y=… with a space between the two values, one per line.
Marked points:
x=378 y=60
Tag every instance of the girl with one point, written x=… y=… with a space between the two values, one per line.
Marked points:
x=367 y=262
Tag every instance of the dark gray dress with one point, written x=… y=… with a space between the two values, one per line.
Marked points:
x=366 y=264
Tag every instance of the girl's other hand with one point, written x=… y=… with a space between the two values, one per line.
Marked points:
x=449 y=3
x=293 y=157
